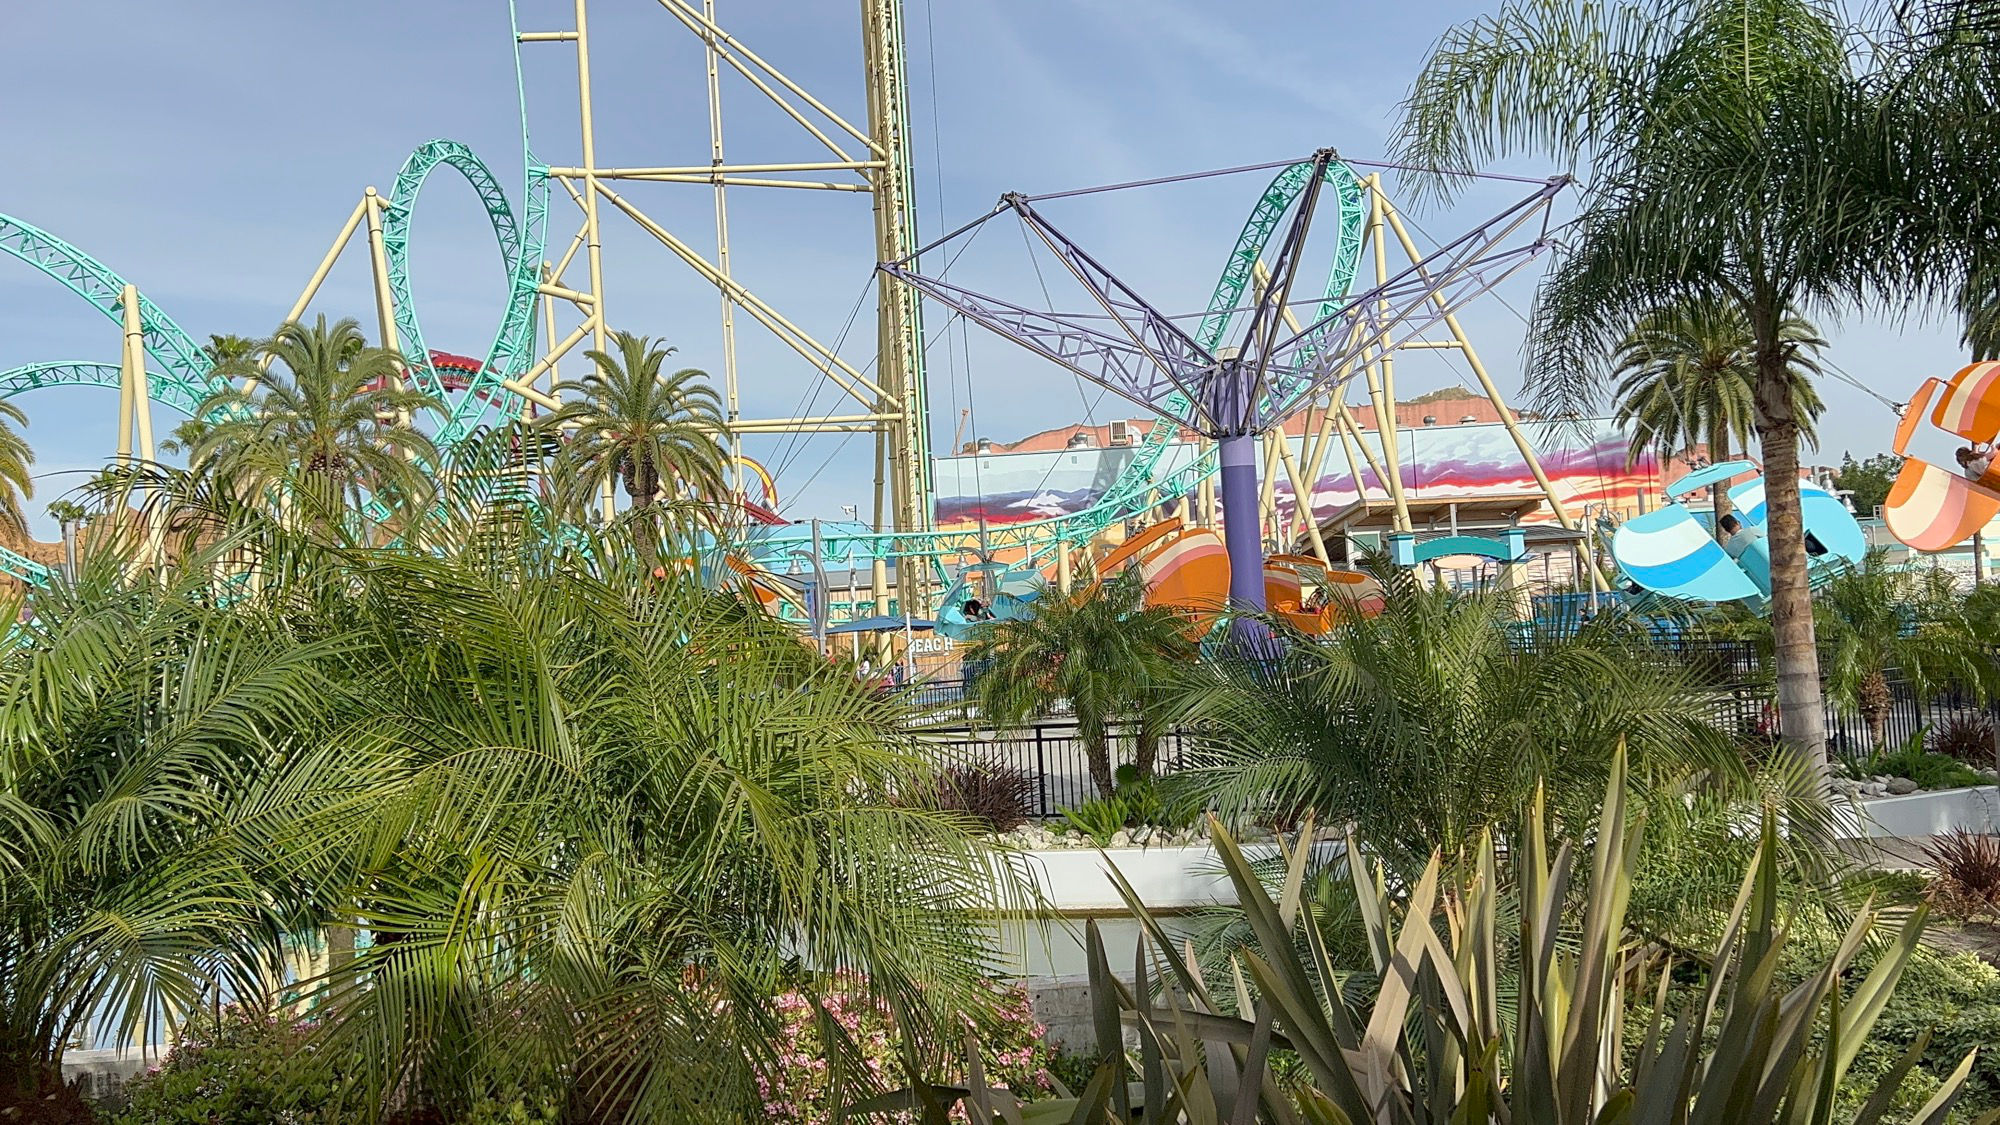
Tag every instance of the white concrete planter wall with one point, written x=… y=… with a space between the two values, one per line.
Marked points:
x=1933 y=813
x=1170 y=879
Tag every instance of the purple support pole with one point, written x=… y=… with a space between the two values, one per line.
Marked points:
x=1242 y=531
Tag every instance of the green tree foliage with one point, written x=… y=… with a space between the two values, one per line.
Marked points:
x=1875 y=621
x=1100 y=652
x=136 y=728
x=1869 y=480
x=323 y=428
x=1492 y=1004
x=1942 y=64
x=1685 y=376
x=653 y=432
x=17 y=484
x=1437 y=720
x=239 y=1066
x=590 y=821
x=1738 y=152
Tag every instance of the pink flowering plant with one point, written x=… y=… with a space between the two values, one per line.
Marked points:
x=796 y=1085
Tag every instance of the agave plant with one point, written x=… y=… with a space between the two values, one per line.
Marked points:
x=1434 y=1044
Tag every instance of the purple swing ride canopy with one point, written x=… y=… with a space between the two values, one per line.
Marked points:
x=1233 y=393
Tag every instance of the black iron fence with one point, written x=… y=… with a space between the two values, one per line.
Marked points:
x=1054 y=755
x=1051 y=752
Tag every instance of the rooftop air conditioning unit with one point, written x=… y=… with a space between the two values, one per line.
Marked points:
x=1121 y=432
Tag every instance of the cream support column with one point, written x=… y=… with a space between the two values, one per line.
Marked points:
x=1303 y=489
x=127 y=377
x=136 y=407
x=731 y=405
x=1485 y=380
x=1063 y=575
x=548 y=333
x=1302 y=482
x=1267 y=493
x=593 y=246
x=385 y=303
x=1382 y=377
x=318 y=278
x=878 y=581
x=1521 y=442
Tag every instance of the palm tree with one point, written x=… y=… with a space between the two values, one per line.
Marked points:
x=1735 y=155
x=1875 y=620
x=126 y=896
x=1099 y=650
x=16 y=458
x=1685 y=374
x=230 y=351
x=654 y=433
x=1437 y=720
x=1942 y=68
x=326 y=421
x=665 y=808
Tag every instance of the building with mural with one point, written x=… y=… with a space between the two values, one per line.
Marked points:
x=1461 y=470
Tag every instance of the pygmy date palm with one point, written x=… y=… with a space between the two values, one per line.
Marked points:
x=15 y=460
x=1099 y=649
x=1875 y=619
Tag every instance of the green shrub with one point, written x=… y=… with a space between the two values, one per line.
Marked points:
x=1956 y=999
x=1100 y=818
x=517 y=1107
x=1136 y=803
x=1928 y=770
x=797 y=1085
x=243 y=1067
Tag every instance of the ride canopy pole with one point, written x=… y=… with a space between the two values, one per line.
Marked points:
x=1241 y=532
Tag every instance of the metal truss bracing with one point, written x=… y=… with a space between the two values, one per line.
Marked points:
x=513 y=348
x=180 y=394
x=1127 y=346
x=184 y=371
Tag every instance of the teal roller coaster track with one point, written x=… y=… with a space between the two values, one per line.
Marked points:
x=179 y=373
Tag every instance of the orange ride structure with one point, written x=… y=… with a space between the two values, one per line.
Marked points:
x=1187 y=568
x=1931 y=507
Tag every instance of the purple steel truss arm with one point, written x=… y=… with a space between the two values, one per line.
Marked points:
x=1407 y=305
x=1110 y=359
x=1148 y=358
x=1248 y=388
x=1172 y=351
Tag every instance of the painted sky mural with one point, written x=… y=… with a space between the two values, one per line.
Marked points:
x=1585 y=462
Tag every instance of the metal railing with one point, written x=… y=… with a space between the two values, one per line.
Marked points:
x=1051 y=752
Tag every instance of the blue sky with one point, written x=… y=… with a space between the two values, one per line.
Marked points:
x=210 y=149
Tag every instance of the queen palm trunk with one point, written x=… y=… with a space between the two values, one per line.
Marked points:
x=1800 y=712
x=1718 y=452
